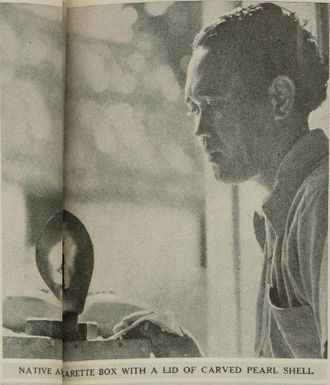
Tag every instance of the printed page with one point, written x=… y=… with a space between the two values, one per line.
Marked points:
x=32 y=75
x=196 y=176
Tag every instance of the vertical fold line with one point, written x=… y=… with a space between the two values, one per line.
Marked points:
x=237 y=265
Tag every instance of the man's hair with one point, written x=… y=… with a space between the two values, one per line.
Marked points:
x=269 y=41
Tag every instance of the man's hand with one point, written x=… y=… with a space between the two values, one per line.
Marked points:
x=167 y=338
x=166 y=344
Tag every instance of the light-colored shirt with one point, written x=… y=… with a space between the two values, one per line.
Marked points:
x=292 y=302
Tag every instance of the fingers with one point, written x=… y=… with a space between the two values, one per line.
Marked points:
x=154 y=332
x=133 y=317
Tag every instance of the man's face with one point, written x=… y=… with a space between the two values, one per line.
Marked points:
x=228 y=120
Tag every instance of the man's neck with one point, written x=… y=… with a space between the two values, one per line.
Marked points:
x=279 y=145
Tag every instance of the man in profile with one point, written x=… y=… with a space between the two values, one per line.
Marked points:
x=254 y=78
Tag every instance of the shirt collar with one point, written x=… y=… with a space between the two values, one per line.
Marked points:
x=299 y=162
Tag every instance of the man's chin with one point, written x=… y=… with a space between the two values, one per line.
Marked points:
x=229 y=176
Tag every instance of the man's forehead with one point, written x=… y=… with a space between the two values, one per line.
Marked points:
x=210 y=73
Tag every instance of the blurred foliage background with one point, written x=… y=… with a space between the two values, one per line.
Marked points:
x=127 y=135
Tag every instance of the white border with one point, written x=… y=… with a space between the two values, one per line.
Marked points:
x=57 y=3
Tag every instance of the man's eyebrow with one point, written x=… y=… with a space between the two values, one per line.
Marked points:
x=209 y=95
x=215 y=96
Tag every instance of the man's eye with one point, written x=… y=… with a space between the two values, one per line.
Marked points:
x=216 y=107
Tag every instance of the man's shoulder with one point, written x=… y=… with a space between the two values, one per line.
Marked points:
x=312 y=195
x=316 y=183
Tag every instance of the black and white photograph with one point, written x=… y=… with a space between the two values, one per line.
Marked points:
x=164 y=190
x=196 y=158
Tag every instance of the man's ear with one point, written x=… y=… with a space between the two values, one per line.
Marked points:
x=282 y=96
